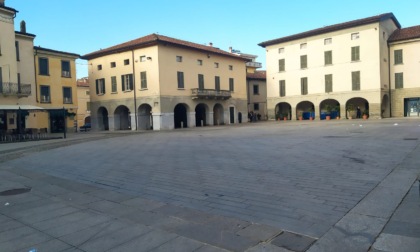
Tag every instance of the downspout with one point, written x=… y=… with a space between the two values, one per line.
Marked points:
x=36 y=83
x=134 y=87
x=389 y=81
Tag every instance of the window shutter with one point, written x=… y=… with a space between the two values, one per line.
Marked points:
x=97 y=86
x=123 y=82
x=130 y=79
x=103 y=86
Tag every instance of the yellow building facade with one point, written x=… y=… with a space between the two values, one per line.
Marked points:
x=340 y=70
x=56 y=88
x=157 y=82
x=83 y=102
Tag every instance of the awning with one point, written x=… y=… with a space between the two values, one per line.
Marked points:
x=21 y=107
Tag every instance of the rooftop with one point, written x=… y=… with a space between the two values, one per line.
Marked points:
x=332 y=28
x=257 y=75
x=405 y=34
x=38 y=48
x=154 y=39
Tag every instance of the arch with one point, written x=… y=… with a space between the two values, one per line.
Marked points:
x=283 y=109
x=180 y=116
x=103 y=123
x=122 y=118
x=307 y=109
x=144 y=113
x=385 y=107
x=356 y=106
x=218 y=114
x=87 y=119
x=201 y=115
x=329 y=108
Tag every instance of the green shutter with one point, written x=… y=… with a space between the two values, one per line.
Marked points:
x=103 y=81
x=97 y=86
x=355 y=77
x=130 y=77
x=303 y=61
x=355 y=53
x=282 y=66
x=122 y=82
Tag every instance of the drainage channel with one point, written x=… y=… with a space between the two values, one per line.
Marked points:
x=15 y=191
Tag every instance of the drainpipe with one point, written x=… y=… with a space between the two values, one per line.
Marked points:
x=36 y=83
x=389 y=81
x=134 y=87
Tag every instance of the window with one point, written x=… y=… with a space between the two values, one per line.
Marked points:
x=355 y=53
x=17 y=50
x=87 y=92
x=398 y=57
x=256 y=89
x=304 y=86
x=355 y=36
x=328 y=83
x=142 y=58
x=256 y=106
x=99 y=67
x=231 y=85
x=43 y=66
x=1 y=80
x=65 y=68
x=200 y=62
x=217 y=83
x=303 y=61
x=67 y=97
x=113 y=84
x=282 y=88
x=178 y=58
x=281 y=50
x=113 y=64
x=200 y=81
x=282 y=65
x=45 y=94
x=303 y=46
x=399 y=80
x=230 y=67
x=180 y=77
x=328 y=57
x=127 y=82
x=143 y=78
x=327 y=41
x=126 y=62
x=355 y=80
x=100 y=86
x=216 y=65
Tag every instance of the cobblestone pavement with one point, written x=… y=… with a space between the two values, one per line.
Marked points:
x=346 y=185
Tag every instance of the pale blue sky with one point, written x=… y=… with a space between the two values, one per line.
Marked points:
x=84 y=26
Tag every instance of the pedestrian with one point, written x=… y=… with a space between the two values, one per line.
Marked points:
x=359 y=114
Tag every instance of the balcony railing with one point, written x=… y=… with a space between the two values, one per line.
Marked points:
x=254 y=64
x=18 y=89
x=210 y=94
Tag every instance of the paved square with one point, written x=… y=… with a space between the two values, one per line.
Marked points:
x=299 y=177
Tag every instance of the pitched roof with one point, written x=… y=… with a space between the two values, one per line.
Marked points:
x=332 y=28
x=38 y=48
x=257 y=75
x=405 y=34
x=154 y=39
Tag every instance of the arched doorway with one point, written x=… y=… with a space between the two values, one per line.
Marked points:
x=87 y=119
x=145 y=121
x=329 y=107
x=385 y=108
x=180 y=116
x=200 y=115
x=218 y=114
x=283 y=109
x=356 y=107
x=103 y=123
x=306 y=109
x=122 y=118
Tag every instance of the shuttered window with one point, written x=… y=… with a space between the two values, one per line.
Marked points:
x=355 y=53
x=399 y=80
x=282 y=87
x=180 y=77
x=282 y=65
x=328 y=83
x=127 y=82
x=328 y=57
x=143 y=78
x=398 y=57
x=304 y=86
x=303 y=61
x=200 y=81
x=355 y=80
x=217 y=83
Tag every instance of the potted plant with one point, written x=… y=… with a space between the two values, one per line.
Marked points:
x=311 y=110
x=365 y=114
x=300 y=116
x=350 y=110
x=285 y=115
x=336 y=108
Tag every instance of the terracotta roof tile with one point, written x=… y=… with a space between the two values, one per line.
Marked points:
x=332 y=28
x=154 y=39
x=257 y=75
x=405 y=34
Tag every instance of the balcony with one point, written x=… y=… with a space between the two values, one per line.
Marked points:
x=15 y=89
x=210 y=94
x=254 y=64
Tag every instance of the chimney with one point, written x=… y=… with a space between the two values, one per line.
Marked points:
x=230 y=49
x=1 y=2
x=22 y=26
x=211 y=44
